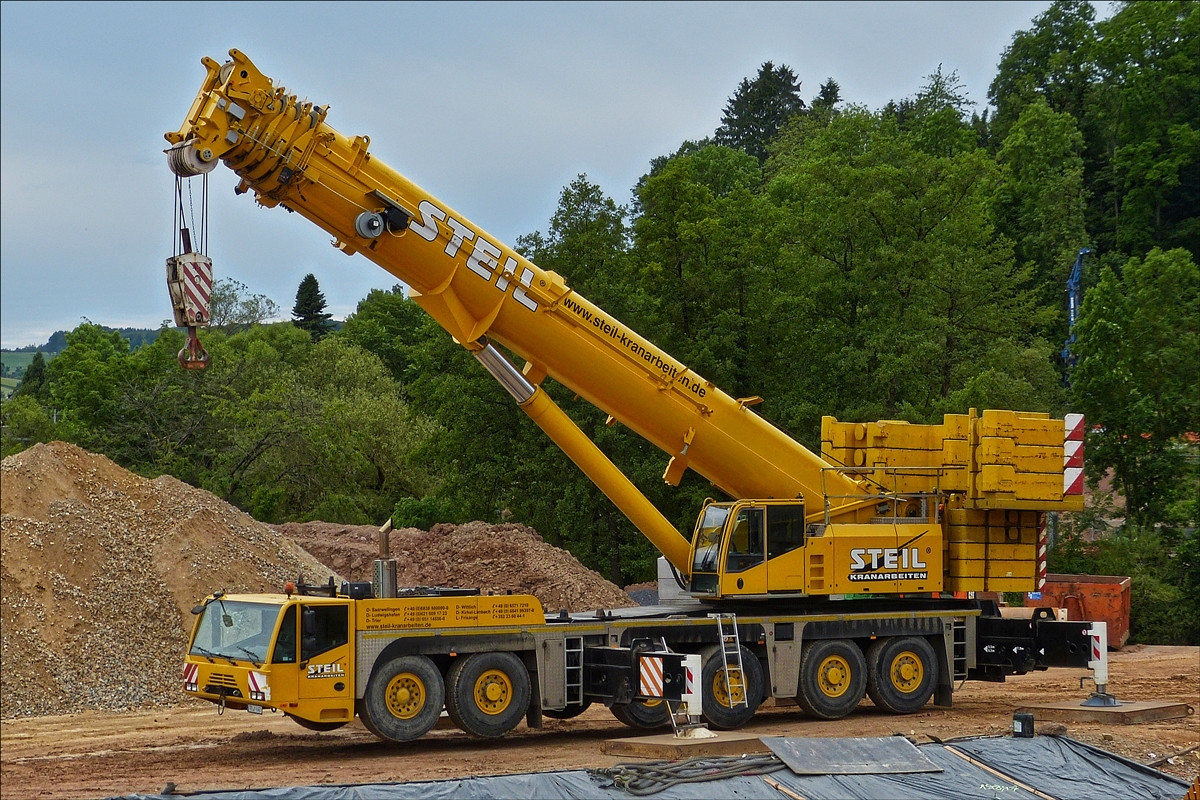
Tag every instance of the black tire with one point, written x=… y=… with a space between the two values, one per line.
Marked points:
x=721 y=711
x=360 y=708
x=321 y=727
x=642 y=714
x=572 y=710
x=901 y=673
x=833 y=678
x=404 y=699
x=487 y=694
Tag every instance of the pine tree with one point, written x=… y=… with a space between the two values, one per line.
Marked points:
x=758 y=110
x=829 y=95
x=34 y=378
x=309 y=311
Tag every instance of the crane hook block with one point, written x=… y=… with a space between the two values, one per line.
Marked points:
x=193 y=355
x=190 y=283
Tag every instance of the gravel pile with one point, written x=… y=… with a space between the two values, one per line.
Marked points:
x=98 y=571
x=472 y=556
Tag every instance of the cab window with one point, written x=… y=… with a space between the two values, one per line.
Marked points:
x=785 y=529
x=324 y=628
x=285 y=643
x=745 y=541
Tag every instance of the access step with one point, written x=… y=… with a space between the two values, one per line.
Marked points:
x=668 y=747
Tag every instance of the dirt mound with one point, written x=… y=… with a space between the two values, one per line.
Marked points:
x=98 y=571
x=471 y=556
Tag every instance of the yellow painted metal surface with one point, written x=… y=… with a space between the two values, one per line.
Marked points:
x=879 y=559
x=475 y=286
x=425 y=613
x=1000 y=460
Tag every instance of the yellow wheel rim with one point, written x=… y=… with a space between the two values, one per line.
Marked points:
x=907 y=672
x=720 y=688
x=405 y=695
x=833 y=676
x=493 y=692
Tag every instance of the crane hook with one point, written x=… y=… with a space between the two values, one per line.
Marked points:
x=193 y=355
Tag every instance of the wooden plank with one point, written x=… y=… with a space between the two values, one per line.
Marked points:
x=997 y=773
x=666 y=746
x=1128 y=713
x=779 y=787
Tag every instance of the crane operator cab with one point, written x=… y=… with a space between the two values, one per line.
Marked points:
x=760 y=548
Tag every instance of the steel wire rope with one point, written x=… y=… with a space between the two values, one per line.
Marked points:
x=204 y=214
x=192 y=209
x=642 y=780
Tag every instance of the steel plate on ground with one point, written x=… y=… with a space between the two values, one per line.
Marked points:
x=876 y=756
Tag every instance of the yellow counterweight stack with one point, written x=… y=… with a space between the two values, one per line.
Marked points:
x=992 y=473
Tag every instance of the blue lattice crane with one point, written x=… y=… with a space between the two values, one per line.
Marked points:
x=1074 y=298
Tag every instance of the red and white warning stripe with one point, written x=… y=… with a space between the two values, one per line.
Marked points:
x=191 y=673
x=258 y=683
x=1043 y=549
x=692 y=700
x=1073 y=454
x=650 y=681
x=197 y=277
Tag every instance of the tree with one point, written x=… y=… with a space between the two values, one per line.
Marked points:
x=1040 y=200
x=695 y=251
x=937 y=119
x=1145 y=113
x=25 y=423
x=309 y=311
x=87 y=381
x=33 y=382
x=829 y=95
x=232 y=306
x=389 y=325
x=901 y=301
x=1052 y=61
x=1138 y=335
x=759 y=108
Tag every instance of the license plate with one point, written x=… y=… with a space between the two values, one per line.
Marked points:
x=254 y=709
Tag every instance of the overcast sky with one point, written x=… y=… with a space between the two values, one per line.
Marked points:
x=493 y=108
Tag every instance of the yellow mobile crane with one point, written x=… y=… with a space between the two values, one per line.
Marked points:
x=910 y=513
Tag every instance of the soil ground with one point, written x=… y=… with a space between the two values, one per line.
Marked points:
x=95 y=754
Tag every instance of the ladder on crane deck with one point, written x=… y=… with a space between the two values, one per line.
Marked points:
x=573 y=659
x=731 y=659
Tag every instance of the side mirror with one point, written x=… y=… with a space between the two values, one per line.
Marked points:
x=308 y=622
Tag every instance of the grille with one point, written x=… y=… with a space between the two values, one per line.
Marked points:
x=222 y=679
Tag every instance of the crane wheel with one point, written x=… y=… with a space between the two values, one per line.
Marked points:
x=642 y=714
x=901 y=673
x=322 y=727
x=724 y=709
x=569 y=712
x=404 y=698
x=487 y=694
x=833 y=678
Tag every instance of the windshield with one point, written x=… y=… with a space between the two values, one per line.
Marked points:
x=235 y=629
x=708 y=538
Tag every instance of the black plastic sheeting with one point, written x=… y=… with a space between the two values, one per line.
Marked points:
x=1067 y=769
x=1056 y=766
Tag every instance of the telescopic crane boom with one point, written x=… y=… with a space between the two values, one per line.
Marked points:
x=883 y=519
